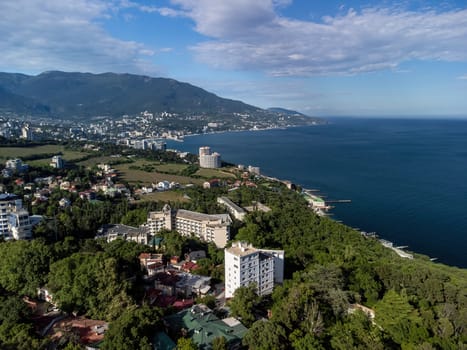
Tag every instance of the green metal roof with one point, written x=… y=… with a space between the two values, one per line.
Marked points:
x=161 y=341
x=203 y=327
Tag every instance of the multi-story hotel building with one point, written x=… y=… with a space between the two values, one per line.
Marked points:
x=208 y=159
x=245 y=264
x=208 y=227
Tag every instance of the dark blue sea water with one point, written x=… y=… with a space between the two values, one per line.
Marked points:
x=407 y=179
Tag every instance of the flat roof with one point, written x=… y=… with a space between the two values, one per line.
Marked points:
x=192 y=215
x=242 y=251
x=228 y=201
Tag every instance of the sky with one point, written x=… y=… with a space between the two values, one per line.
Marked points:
x=322 y=58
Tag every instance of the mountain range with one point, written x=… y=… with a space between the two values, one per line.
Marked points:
x=85 y=95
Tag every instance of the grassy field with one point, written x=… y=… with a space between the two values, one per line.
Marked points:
x=146 y=178
x=100 y=160
x=166 y=196
x=172 y=168
x=217 y=173
x=20 y=152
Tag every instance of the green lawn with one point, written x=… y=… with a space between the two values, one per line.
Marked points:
x=173 y=168
x=146 y=178
x=165 y=196
x=100 y=160
x=20 y=152
x=217 y=173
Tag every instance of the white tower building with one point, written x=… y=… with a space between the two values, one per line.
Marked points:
x=245 y=264
x=208 y=159
x=14 y=219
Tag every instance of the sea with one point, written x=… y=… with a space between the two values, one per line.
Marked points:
x=406 y=178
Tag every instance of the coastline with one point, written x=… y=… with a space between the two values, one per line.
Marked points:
x=324 y=122
x=319 y=206
x=372 y=209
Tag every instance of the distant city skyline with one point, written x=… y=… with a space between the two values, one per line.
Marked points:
x=332 y=58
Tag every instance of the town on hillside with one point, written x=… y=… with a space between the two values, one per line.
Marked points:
x=111 y=246
x=36 y=197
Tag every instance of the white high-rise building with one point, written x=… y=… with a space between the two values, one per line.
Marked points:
x=20 y=224
x=208 y=159
x=245 y=264
x=14 y=219
x=26 y=132
x=57 y=162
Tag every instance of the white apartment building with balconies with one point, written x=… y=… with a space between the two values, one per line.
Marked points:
x=208 y=227
x=20 y=225
x=245 y=265
x=14 y=219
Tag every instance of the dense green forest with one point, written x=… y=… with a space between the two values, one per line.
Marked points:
x=418 y=304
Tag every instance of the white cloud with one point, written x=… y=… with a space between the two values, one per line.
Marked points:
x=251 y=35
x=66 y=35
x=462 y=77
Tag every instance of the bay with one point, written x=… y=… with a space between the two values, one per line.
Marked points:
x=406 y=178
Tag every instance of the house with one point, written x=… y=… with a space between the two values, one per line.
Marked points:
x=111 y=232
x=195 y=255
x=89 y=195
x=151 y=262
x=65 y=185
x=189 y=284
x=175 y=259
x=146 y=189
x=163 y=185
x=6 y=173
x=64 y=202
x=202 y=326
x=189 y=266
x=212 y=183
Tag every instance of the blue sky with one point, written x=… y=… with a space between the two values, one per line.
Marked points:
x=323 y=58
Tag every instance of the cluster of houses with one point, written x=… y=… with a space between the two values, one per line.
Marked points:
x=14 y=166
x=158 y=186
x=168 y=282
